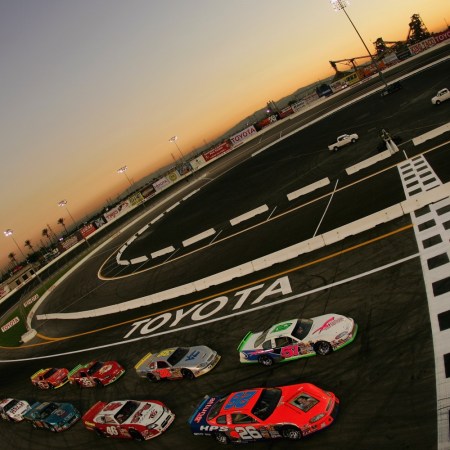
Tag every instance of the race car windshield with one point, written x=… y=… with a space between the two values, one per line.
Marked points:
x=125 y=412
x=49 y=373
x=216 y=408
x=260 y=339
x=267 y=402
x=95 y=367
x=48 y=410
x=302 y=328
x=11 y=405
x=177 y=355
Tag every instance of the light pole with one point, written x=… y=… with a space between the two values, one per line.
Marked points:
x=174 y=140
x=340 y=5
x=63 y=203
x=124 y=171
x=9 y=233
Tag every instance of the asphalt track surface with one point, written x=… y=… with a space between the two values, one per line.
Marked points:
x=384 y=379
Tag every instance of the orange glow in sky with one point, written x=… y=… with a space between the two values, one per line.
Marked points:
x=87 y=87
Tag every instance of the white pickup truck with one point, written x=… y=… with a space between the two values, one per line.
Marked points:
x=441 y=96
x=343 y=140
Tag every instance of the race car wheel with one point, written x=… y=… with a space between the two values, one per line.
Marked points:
x=99 y=432
x=322 y=348
x=265 y=360
x=221 y=438
x=187 y=374
x=353 y=141
x=152 y=378
x=98 y=383
x=292 y=433
x=438 y=102
x=335 y=149
x=136 y=435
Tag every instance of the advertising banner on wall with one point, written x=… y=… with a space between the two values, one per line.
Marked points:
x=4 y=289
x=286 y=112
x=173 y=176
x=430 y=42
x=239 y=138
x=87 y=230
x=184 y=168
x=68 y=243
x=217 y=151
x=198 y=162
x=119 y=210
x=135 y=199
x=161 y=184
x=99 y=222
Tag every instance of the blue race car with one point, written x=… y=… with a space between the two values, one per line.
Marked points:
x=52 y=416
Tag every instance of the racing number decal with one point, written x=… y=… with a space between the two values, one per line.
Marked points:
x=248 y=433
x=289 y=351
x=239 y=400
x=112 y=431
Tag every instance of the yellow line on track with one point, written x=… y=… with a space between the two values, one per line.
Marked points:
x=51 y=340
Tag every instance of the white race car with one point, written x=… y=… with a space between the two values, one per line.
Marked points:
x=13 y=410
x=297 y=338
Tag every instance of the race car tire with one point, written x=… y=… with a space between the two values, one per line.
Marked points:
x=221 y=438
x=152 y=378
x=353 y=141
x=99 y=432
x=135 y=435
x=265 y=360
x=291 y=433
x=438 y=102
x=187 y=374
x=98 y=383
x=335 y=149
x=322 y=348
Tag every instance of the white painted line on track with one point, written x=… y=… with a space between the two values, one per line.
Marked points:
x=326 y=209
x=157 y=218
x=173 y=206
x=307 y=189
x=163 y=251
x=138 y=260
x=199 y=237
x=272 y=213
x=432 y=232
x=218 y=319
x=191 y=194
x=215 y=237
x=248 y=215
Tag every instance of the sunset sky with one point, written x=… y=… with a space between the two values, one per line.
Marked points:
x=88 y=86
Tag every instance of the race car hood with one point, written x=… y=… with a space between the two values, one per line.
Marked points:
x=17 y=410
x=146 y=414
x=328 y=327
x=198 y=420
x=63 y=414
x=248 y=343
x=196 y=356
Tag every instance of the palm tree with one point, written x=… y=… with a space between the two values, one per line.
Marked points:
x=47 y=235
x=61 y=222
x=12 y=257
x=29 y=245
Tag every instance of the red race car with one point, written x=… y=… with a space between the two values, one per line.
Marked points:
x=96 y=373
x=51 y=378
x=129 y=419
x=258 y=414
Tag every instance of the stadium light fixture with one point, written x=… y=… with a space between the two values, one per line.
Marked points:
x=174 y=140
